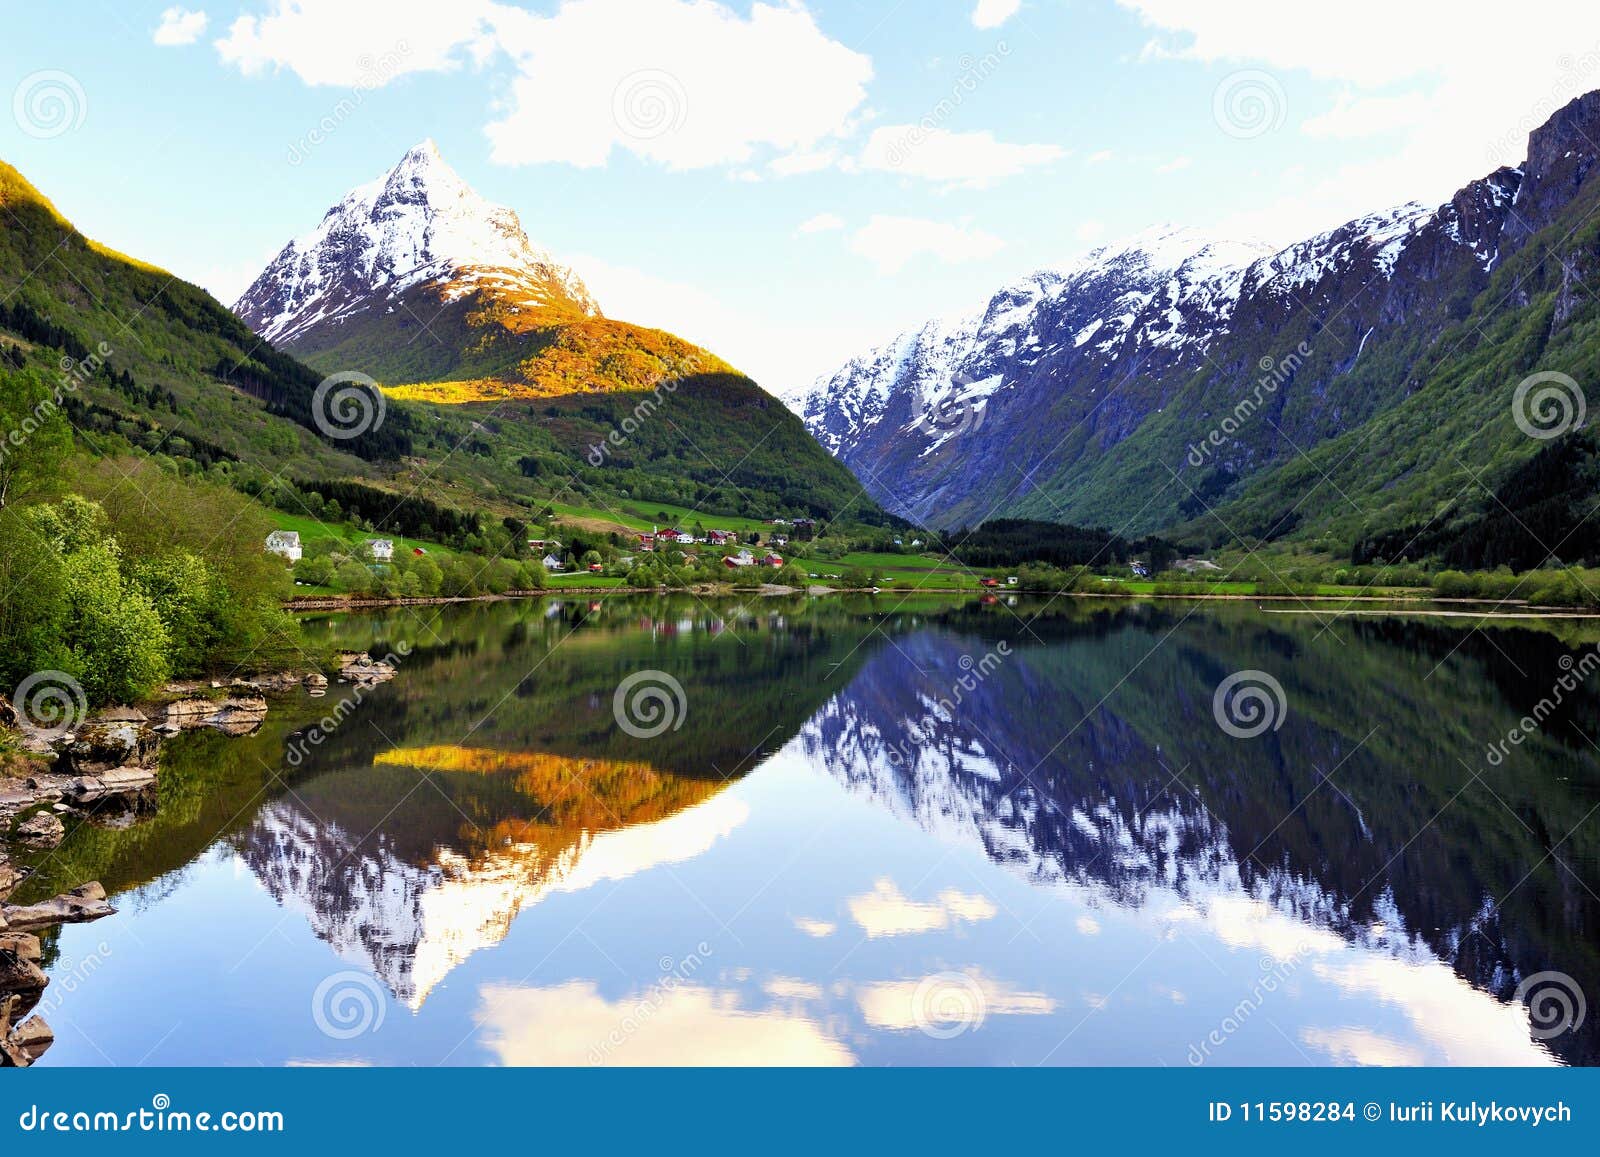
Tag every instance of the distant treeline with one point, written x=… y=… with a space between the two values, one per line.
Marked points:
x=406 y=515
x=288 y=386
x=1013 y=541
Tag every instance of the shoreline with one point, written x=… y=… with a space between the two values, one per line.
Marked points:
x=1410 y=603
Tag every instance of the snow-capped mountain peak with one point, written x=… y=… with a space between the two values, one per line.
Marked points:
x=420 y=224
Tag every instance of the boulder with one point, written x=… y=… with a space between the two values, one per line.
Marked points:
x=8 y=713
x=24 y=945
x=41 y=830
x=101 y=746
x=120 y=715
x=363 y=670
x=234 y=715
x=80 y=905
x=29 y=1040
x=18 y=974
x=127 y=782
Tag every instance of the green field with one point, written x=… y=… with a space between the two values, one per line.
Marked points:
x=311 y=529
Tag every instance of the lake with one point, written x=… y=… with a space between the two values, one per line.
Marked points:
x=868 y=831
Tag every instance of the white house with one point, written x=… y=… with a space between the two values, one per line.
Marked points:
x=382 y=549
x=285 y=544
x=551 y=562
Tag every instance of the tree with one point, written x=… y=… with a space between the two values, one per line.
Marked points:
x=115 y=633
x=34 y=436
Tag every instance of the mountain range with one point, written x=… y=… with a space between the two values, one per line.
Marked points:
x=1355 y=387
x=501 y=376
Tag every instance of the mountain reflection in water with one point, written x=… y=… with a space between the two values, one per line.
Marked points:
x=967 y=834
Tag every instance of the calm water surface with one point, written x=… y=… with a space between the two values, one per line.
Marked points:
x=969 y=834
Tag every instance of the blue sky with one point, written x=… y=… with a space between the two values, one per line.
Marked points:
x=784 y=183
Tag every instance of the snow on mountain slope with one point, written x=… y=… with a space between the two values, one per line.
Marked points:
x=1074 y=360
x=419 y=224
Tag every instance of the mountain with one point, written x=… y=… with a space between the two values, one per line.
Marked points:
x=419 y=224
x=140 y=356
x=1332 y=391
x=416 y=281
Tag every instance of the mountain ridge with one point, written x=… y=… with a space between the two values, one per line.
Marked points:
x=1107 y=377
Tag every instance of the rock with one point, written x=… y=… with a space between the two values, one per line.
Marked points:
x=29 y=1040
x=316 y=681
x=101 y=746
x=24 y=945
x=41 y=830
x=8 y=713
x=20 y=975
x=363 y=669
x=120 y=715
x=80 y=905
x=126 y=782
x=235 y=715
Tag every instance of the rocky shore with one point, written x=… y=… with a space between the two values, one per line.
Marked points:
x=104 y=771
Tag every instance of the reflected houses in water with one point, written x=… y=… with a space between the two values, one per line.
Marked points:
x=1355 y=824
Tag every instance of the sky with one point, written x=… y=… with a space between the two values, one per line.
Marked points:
x=785 y=183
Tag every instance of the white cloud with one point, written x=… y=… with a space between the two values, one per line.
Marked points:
x=1442 y=101
x=1099 y=157
x=804 y=161
x=890 y=243
x=885 y=911
x=946 y=999
x=1177 y=164
x=356 y=42
x=993 y=13
x=821 y=223
x=972 y=159
x=180 y=26
x=685 y=83
x=815 y=928
x=573 y=1024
